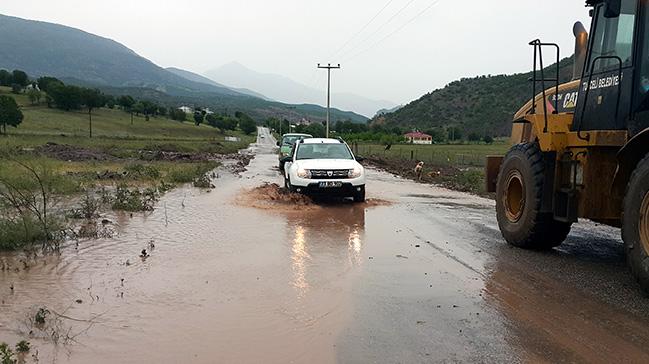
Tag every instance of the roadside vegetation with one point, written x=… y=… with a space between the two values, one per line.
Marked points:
x=53 y=169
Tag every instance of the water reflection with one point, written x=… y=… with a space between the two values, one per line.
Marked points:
x=299 y=256
x=329 y=239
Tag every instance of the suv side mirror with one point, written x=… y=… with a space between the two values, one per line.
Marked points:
x=279 y=144
x=359 y=159
x=288 y=159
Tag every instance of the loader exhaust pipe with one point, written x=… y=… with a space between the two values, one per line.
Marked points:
x=581 y=48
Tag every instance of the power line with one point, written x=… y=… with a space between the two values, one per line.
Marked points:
x=394 y=32
x=384 y=24
x=362 y=29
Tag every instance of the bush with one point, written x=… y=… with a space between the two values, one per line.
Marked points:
x=134 y=200
x=143 y=170
x=20 y=232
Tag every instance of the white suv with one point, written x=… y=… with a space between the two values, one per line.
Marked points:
x=324 y=167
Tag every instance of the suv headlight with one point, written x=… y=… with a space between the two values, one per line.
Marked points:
x=355 y=173
x=303 y=173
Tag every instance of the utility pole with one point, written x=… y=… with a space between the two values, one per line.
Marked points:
x=328 y=67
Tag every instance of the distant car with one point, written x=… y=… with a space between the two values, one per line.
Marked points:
x=286 y=144
x=324 y=167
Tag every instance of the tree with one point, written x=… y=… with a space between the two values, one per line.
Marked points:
x=91 y=99
x=230 y=123
x=20 y=78
x=126 y=102
x=138 y=108
x=316 y=129
x=474 y=137
x=214 y=121
x=198 y=118
x=439 y=135
x=110 y=101
x=149 y=109
x=454 y=133
x=44 y=83
x=34 y=96
x=5 y=78
x=177 y=114
x=10 y=113
x=247 y=125
x=65 y=97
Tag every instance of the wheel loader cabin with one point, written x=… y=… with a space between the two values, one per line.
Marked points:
x=581 y=147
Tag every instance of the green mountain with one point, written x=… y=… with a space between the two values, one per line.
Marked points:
x=484 y=105
x=77 y=57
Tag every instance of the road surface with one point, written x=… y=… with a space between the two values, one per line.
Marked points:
x=420 y=274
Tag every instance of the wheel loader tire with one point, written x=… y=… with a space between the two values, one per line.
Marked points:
x=635 y=224
x=519 y=195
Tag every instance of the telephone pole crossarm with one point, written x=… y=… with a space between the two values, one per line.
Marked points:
x=328 y=67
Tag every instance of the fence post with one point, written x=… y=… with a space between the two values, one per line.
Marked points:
x=412 y=154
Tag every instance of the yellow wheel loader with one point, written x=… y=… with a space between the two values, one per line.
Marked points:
x=581 y=148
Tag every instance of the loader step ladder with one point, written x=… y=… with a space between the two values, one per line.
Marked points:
x=538 y=75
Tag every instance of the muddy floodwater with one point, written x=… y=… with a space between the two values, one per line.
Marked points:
x=417 y=275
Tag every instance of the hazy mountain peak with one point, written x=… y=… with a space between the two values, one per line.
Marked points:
x=284 y=89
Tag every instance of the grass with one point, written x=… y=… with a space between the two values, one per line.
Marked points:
x=458 y=155
x=455 y=166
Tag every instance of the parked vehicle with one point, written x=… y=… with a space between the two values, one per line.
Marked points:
x=286 y=144
x=324 y=167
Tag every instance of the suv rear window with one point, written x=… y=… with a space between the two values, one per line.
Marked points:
x=290 y=140
x=323 y=151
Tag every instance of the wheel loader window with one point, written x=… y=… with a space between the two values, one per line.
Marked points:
x=613 y=37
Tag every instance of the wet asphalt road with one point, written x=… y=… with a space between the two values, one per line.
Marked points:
x=418 y=275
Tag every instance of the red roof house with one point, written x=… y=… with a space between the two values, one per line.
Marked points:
x=418 y=138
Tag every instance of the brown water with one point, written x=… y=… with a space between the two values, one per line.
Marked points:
x=236 y=275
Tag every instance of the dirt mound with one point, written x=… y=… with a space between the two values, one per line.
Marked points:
x=272 y=196
x=242 y=161
x=72 y=153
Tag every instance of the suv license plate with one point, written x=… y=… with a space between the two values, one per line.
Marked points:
x=330 y=184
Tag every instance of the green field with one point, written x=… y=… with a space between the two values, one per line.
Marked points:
x=112 y=129
x=458 y=155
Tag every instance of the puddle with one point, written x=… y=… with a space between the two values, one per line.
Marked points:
x=270 y=196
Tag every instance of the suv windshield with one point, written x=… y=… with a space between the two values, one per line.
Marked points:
x=290 y=140
x=323 y=151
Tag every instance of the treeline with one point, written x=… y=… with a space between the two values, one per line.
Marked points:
x=223 y=122
x=376 y=133
x=56 y=94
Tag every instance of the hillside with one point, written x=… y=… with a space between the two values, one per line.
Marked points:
x=483 y=105
x=84 y=59
x=45 y=49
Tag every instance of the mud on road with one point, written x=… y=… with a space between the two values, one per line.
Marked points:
x=424 y=277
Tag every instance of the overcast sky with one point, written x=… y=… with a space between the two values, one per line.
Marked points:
x=394 y=58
